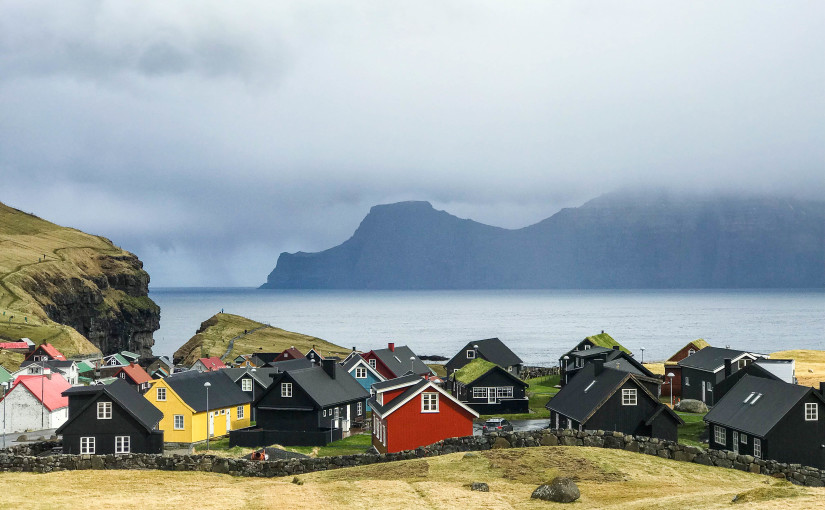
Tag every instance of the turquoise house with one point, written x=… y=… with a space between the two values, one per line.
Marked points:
x=362 y=372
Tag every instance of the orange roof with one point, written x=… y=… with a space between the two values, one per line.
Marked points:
x=135 y=372
x=51 y=351
x=213 y=363
x=50 y=389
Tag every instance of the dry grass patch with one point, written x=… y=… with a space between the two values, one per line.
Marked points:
x=810 y=365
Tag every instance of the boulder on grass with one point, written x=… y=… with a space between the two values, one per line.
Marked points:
x=690 y=405
x=560 y=490
x=480 y=486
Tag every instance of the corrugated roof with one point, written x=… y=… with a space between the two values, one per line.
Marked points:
x=223 y=392
x=52 y=351
x=50 y=389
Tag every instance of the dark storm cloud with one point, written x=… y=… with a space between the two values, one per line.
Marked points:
x=210 y=136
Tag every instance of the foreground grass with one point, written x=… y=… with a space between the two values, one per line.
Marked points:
x=608 y=479
x=690 y=432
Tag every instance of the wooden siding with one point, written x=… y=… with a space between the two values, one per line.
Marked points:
x=409 y=428
x=797 y=441
x=104 y=431
x=380 y=367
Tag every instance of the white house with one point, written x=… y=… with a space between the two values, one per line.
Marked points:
x=68 y=369
x=35 y=402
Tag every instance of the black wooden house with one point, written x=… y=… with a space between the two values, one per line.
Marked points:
x=490 y=349
x=489 y=389
x=770 y=419
x=310 y=406
x=703 y=370
x=110 y=419
x=600 y=398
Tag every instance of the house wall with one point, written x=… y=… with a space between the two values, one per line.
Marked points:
x=366 y=382
x=380 y=367
x=172 y=406
x=495 y=378
x=24 y=412
x=284 y=416
x=105 y=431
x=693 y=390
x=409 y=428
x=676 y=370
x=612 y=415
x=797 y=441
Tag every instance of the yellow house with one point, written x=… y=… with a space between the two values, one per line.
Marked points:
x=191 y=400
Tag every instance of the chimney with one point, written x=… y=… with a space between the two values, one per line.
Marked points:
x=598 y=366
x=822 y=387
x=328 y=365
x=391 y=346
x=132 y=364
x=727 y=367
x=616 y=348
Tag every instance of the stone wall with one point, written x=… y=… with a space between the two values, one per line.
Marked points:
x=23 y=458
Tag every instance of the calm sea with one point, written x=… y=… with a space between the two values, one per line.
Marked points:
x=538 y=325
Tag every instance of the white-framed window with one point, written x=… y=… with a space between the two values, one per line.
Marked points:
x=240 y=413
x=743 y=363
x=691 y=352
x=629 y=397
x=371 y=363
x=286 y=389
x=471 y=354
x=123 y=375
x=757 y=448
x=586 y=346
x=429 y=402
x=479 y=392
x=811 y=411
x=359 y=408
x=122 y=444
x=504 y=392
x=687 y=381
x=178 y=422
x=325 y=413
x=360 y=373
x=743 y=438
x=719 y=435
x=104 y=410
x=87 y=445
x=246 y=384
x=161 y=395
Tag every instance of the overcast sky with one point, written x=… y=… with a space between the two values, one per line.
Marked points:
x=208 y=137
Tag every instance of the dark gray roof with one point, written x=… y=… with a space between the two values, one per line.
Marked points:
x=398 y=381
x=326 y=391
x=589 y=353
x=351 y=361
x=395 y=402
x=261 y=375
x=710 y=358
x=290 y=364
x=51 y=363
x=777 y=398
x=398 y=361
x=127 y=397
x=493 y=350
x=223 y=392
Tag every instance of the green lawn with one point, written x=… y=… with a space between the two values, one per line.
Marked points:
x=694 y=426
x=540 y=391
x=358 y=443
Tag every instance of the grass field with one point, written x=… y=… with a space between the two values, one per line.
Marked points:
x=357 y=443
x=607 y=479
x=810 y=365
x=218 y=330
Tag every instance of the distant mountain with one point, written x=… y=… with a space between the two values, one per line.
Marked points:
x=640 y=240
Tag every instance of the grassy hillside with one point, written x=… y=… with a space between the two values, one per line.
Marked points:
x=810 y=365
x=47 y=270
x=608 y=479
x=214 y=335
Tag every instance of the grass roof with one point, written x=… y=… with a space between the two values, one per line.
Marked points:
x=473 y=370
x=606 y=341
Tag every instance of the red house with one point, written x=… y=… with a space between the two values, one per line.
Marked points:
x=410 y=411
x=671 y=367
x=46 y=352
x=396 y=361
x=288 y=354
x=135 y=375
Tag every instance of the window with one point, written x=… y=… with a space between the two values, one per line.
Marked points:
x=719 y=435
x=429 y=402
x=504 y=392
x=743 y=438
x=360 y=373
x=87 y=445
x=286 y=389
x=479 y=392
x=629 y=397
x=161 y=397
x=471 y=354
x=104 y=410
x=325 y=413
x=811 y=412
x=123 y=375
x=246 y=384
x=691 y=352
x=586 y=346
x=687 y=381
x=240 y=413
x=371 y=363
x=743 y=363
x=178 y=422
x=122 y=444
x=359 y=409
x=757 y=448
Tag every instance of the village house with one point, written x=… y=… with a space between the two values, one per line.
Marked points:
x=615 y=359
x=45 y=352
x=489 y=389
x=362 y=372
x=704 y=369
x=309 y=406
x=24 y=346
x=775 y=369
x=135 y=376
x=210 y=364
x=157 y=366
x=35 y=402
x=110 y=419
x=288 y=354
x=314 y=355
x=490 y=349
x=5 y=376
x=395 y=361
x=569 y=364
x=672 y=366
x=188 y=405
x=601 y=398
x=260 y=359
x=411 y=411
x=770 y=419
x=67 y=368
x=120 y=359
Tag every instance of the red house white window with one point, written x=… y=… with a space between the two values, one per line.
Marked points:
x=429 y=402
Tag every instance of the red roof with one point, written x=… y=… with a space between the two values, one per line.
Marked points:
x=213 y=363
x=14 y=345
x=50 y=350
x=291 y=353
x=51 y=389
x=135 y=372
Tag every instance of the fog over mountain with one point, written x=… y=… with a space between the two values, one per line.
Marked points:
x=620 y=240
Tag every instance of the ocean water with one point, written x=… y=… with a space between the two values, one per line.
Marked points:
x=538 y=325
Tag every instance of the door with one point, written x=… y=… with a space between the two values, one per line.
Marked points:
x=347 y=421
x=703 y=391
x=735 y=442
x=211 y=424
x=336 y=418
x=491 y=395
x=228 y=421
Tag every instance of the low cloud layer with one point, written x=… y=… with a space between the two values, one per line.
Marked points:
x=207 y=137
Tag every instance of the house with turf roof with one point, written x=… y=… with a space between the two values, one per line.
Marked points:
x=490 y=349
x=601 y=398
x=411 y=411
x=770 y=419
x=672 y=365
x=362 y=372
x=568 y=365
x=110 y=419
x=489 y=389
